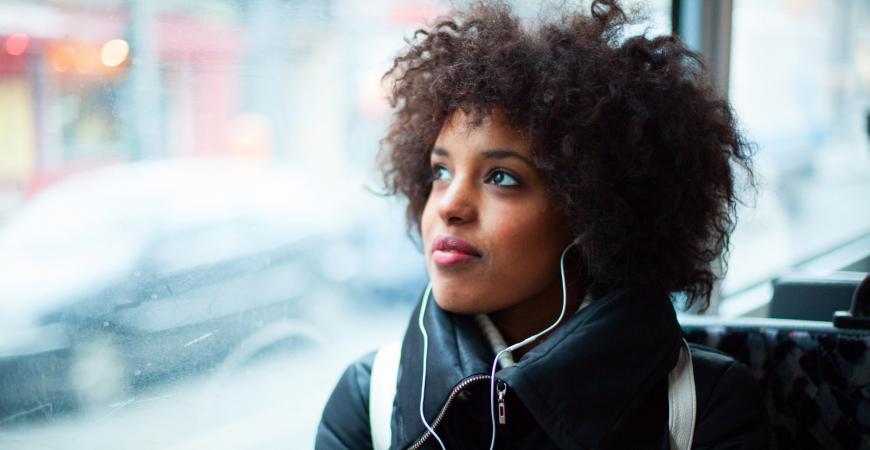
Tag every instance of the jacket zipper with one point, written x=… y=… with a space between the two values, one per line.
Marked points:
x=456 y=390
x=501 y=388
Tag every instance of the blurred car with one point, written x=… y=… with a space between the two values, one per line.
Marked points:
x=132 y=276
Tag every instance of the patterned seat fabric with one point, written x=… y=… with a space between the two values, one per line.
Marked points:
x=815 y=378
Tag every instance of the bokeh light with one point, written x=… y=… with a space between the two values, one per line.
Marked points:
x=17 y=43
x=63 y=59
x=114 y=52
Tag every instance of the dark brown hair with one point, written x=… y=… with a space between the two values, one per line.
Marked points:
x=638 y=151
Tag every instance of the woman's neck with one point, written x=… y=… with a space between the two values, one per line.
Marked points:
x=530 y=317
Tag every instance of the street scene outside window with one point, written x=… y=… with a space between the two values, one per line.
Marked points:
x=193 y=240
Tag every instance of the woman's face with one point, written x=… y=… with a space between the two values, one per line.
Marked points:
x=492 y=238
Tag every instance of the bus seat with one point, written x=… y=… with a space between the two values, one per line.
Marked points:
x=812 y=296
x=815 y=377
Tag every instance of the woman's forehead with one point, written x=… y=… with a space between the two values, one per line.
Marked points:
x=466 y=132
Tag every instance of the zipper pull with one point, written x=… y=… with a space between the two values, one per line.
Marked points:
x=501 y=388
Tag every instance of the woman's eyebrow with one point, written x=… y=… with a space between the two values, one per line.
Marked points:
x=488 y=154
x=502 y=154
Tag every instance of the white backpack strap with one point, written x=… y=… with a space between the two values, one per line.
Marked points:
x=682 y=403
x=382 y=391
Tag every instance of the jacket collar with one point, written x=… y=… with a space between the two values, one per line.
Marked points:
x=579 y=383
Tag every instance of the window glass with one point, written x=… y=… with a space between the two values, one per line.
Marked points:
x=190 y=248
x=800 y=84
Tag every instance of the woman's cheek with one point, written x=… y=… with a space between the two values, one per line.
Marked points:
x=518 y=231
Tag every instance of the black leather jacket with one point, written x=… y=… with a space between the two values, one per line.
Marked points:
x=598 y=381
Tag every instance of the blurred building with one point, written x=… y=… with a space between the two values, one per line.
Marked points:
x=84 y=85
x=89 y=83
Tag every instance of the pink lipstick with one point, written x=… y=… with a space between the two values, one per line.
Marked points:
x=450 y=250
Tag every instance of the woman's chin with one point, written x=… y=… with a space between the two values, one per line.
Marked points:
x=459 y=304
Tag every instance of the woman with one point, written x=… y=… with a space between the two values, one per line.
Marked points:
x=567 y=184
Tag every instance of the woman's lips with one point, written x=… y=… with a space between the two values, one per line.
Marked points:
x=450 y=250
x=450 y=258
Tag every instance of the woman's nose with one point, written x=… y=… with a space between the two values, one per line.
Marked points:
x=458 y=205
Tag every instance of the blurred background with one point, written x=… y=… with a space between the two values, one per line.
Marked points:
x=191 y=244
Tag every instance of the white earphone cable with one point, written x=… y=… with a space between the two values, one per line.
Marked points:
x=527 y=341
x=425 y=355
x=513 y=347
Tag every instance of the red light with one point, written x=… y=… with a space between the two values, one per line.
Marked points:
x=16 y=44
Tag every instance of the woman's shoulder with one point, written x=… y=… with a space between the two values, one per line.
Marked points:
x=714 y=371
x=353 y=384
x=345 y=420
x=730 y=407
x=361 y=369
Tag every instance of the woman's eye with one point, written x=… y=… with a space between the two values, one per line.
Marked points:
x=502 y=178
x=440 y=173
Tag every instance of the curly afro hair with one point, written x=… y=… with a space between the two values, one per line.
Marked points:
x=637 y=149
